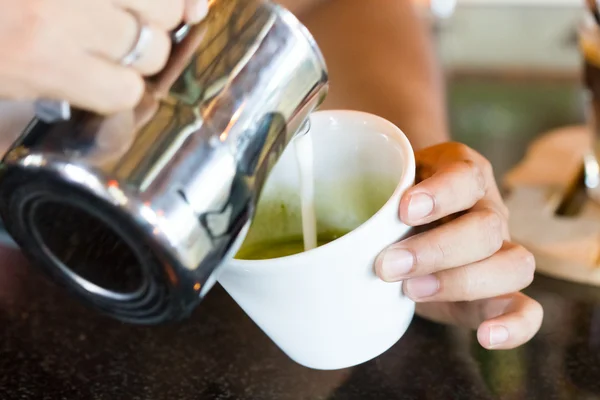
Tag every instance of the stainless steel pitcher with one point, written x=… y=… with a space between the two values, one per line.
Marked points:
x=134 y=213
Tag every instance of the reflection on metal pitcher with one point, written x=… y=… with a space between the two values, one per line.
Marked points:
x=135 y=212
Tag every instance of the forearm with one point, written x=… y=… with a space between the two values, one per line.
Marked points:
x=381 y=60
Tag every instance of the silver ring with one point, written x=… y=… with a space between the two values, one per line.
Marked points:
x=143 y=39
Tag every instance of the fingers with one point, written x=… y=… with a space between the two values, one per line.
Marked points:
x=464 y=271
x=497 y=207
x=94 y=36
x=465 y=240
x=120 y=33
x=165 y=14
x=455 y=187
x=520 y=321
x=195 y=10
x=454 y=178
x=503 y=322
x=120 y=24
x=180 y=57
x=113 y=88
x=509 y=270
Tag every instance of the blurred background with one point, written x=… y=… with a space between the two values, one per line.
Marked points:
x=513 y=70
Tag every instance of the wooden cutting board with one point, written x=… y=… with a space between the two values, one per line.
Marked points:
x=566 y=246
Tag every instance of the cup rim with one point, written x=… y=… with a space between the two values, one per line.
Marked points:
x=406 y=180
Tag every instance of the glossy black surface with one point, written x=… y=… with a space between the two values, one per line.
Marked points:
x=53 y=348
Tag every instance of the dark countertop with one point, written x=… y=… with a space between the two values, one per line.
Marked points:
x=53 y=348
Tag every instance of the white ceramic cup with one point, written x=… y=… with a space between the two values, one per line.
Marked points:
x=326 y=308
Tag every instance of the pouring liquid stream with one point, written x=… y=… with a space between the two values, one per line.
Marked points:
x=304 y=157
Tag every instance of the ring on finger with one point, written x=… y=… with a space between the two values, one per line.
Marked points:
x=143 y=39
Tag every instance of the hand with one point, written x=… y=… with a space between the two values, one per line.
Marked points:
x=465 y=270
x=71 y=49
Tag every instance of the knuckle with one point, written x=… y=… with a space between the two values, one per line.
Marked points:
x=441 y=252
x=34 y=14
x=491 y=227
x=124 y=32
x=486 y=166
x=469 y=165
x=468 y=284
x=461 y=148
x=537 y=312
x=477 y=177
x=524 y=261
x=133 y=87
x=430 y=252
x=503 y=211
x=530 y=315
x=482 y=163
x=162 y=48
x=102 y=106
x=172 y=12
x=129 y=90
x=432 y=255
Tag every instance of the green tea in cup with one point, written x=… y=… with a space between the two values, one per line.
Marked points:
x=325 y=307
x=283 y=247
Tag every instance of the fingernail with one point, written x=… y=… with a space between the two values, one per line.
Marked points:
x=396 y=263
x=199 y=11
x=498 y=335
x=421 y=287
x=420 y=206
